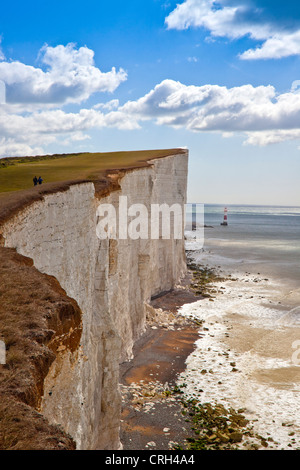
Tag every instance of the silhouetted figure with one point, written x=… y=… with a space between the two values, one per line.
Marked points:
x=35 y=181
x=40 y=180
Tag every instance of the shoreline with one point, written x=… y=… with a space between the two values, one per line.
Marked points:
x=248 y=357
x=239 y=369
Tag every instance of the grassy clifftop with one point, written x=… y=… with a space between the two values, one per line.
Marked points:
x=61 y=171
x=17 y=173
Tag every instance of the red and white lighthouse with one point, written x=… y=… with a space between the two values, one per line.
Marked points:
x=225 y=221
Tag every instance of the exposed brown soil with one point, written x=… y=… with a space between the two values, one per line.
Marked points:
x=36 y=318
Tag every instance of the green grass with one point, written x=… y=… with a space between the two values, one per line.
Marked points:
x=17 y=173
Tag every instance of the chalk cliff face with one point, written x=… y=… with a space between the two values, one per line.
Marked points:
x=111 y=280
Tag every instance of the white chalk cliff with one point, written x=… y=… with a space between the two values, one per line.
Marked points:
x=111 y=280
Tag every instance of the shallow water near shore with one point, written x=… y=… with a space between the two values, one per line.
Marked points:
x=258 y=238
x=249 y=356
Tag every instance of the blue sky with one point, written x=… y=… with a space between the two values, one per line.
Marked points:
x=220 y=78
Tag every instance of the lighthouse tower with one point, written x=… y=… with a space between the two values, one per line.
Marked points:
x=225 y=221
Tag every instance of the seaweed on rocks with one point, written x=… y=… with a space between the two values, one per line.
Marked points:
x=203 y=278
x=216 y=428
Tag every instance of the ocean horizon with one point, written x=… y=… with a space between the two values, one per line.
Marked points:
x=266 y=238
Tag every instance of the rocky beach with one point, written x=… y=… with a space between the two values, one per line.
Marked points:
x=233 y=385
x=246 y=358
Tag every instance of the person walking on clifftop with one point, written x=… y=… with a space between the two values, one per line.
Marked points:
x=40 y=180
x=35 y=181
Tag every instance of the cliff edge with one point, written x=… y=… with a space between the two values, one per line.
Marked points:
x=72 y=304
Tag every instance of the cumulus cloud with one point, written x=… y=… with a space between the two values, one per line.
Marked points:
x=11 y=147
x=112 y=104
x=295 y=88
x=32 y=99
x=70 y=76
x=259 y=113
x=237 y=20
x=29 y=134
x=277 y=46
x=276 y=136
x=200 y=13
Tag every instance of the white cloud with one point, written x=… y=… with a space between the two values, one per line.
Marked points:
x=275 y=47
x=9 y=147
x=2 y=56
x=79 y=136
x=28 y=122
x=220 y=22
x=112 y=104
x=235 y=22
x=70 y=76
x=31 y=133
x=259 y=113
x=200 y=13
x=295 y=88
x=264 y=138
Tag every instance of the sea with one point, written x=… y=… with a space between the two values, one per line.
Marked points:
x=252 y=319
